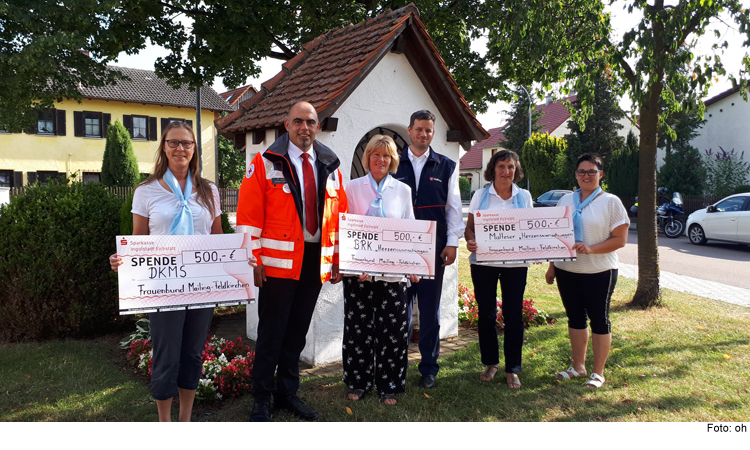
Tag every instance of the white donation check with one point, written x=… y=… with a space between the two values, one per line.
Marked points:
x=385 y=246
x=524 y=235
x=163 y=273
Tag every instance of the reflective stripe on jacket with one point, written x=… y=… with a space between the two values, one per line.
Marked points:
x=270 y=207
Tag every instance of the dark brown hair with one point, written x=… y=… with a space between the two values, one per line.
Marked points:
x=503 y=155
x=202 y=186
x=592 y=158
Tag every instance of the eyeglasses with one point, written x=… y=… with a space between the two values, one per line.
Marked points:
x=174 y=143
x=590 y=173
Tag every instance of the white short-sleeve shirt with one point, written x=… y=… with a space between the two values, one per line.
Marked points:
x=160 y=206
x=497 y=202
x=396 y=203
x=600 y=217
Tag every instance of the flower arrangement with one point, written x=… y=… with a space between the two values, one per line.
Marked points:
x=468 y=311
x=227 y=366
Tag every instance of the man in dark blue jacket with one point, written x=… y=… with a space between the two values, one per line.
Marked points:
x=433 y=179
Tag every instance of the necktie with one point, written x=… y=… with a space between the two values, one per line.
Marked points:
x=311 y=194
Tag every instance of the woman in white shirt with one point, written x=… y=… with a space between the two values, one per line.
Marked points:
x=503 y=171
x=376 y=321
x=601 y=226
x=159 y=208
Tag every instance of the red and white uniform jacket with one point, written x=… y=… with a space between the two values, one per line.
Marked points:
x=270 y=206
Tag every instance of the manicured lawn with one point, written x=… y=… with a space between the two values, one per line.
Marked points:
x=687 y=361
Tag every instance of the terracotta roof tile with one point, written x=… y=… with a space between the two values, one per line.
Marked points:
x=234 y=96
x=145 y=87
x=473 y=158
x=554 y=114
x=328 y=69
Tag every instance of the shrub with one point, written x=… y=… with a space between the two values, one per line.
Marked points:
x=464 y=186
x=119 y=165
x=468 y=311
x=54 y=271
x=742 y=189
x=541 y=159
x=622 y=176
x=683 y=171
x=227 y=366
x=725 y=171
x=126 y=217
x=226 y=227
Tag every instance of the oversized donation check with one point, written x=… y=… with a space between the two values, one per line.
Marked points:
x=163 y=273
x=385 y=246
x=524 y=235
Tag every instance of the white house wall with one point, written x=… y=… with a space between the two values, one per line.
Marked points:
x=386 y=97
x=725 y=127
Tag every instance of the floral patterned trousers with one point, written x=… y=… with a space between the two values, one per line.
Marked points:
x=376 y=329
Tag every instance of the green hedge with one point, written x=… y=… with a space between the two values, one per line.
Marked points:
x=55 y=241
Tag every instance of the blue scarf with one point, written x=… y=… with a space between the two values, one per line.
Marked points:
x=577 y=216
x=518 y=200
x=376 y=207
x=183 y=222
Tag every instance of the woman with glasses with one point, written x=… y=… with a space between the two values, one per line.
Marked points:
x=503 y=172
x=600 y=223
x=176 y=200
x=376 y=321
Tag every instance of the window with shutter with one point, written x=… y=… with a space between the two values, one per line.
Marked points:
x=139 y=128
x=45 y=123
x=6 y=178
x=92 y=124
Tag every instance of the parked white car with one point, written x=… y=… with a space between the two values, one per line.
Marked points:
x=726 y=220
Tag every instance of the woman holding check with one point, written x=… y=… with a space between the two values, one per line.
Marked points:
x=175 y=200
x=376 y=322
x=503 y=171
x=600 y=224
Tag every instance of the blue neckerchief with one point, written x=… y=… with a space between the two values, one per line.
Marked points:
x=518 y=200
x=577 y=216
x=183 y=221
x=376 y=207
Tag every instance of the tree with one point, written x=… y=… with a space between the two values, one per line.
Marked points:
x=517 y=131
x=683 y=171
x=51 y=49
x=570 y=45
x=539 y=160
x=622 y=174
x=231 y=164
x=119 y=166
x=600 y=135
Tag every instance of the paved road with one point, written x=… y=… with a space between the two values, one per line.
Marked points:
x=722 y=263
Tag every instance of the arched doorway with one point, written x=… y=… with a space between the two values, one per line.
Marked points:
x=357 y=169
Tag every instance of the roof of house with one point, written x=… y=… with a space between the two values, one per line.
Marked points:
x=234 y=96
x=554 y=114
x=145 y=87
x=722 y=96
x=331 y=66
x=473 y=158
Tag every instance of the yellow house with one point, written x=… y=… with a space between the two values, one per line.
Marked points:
x=70 y=139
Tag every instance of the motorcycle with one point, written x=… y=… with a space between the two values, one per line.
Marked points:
x=666 y=213
x=666 y=216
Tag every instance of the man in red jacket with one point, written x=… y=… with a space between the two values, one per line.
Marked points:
x=289 y=202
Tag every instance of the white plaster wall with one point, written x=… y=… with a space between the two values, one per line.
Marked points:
x=4 y=195
x=386 y=97
x=726 y=127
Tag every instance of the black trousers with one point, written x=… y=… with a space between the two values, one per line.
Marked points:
x=178 y=339
x=512 y=287
x=285 y=308
x=428 y=293
x=587 y=295
x=376 y=335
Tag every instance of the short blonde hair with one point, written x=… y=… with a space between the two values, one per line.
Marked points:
x=381 y=142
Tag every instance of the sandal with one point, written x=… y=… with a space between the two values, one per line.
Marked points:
x=595 y=381
x=489 y=373
x=360 y=393
x=513 y=381
x=570 y=374
x=384 y=397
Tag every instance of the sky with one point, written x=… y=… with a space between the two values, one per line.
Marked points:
x=496 y=115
